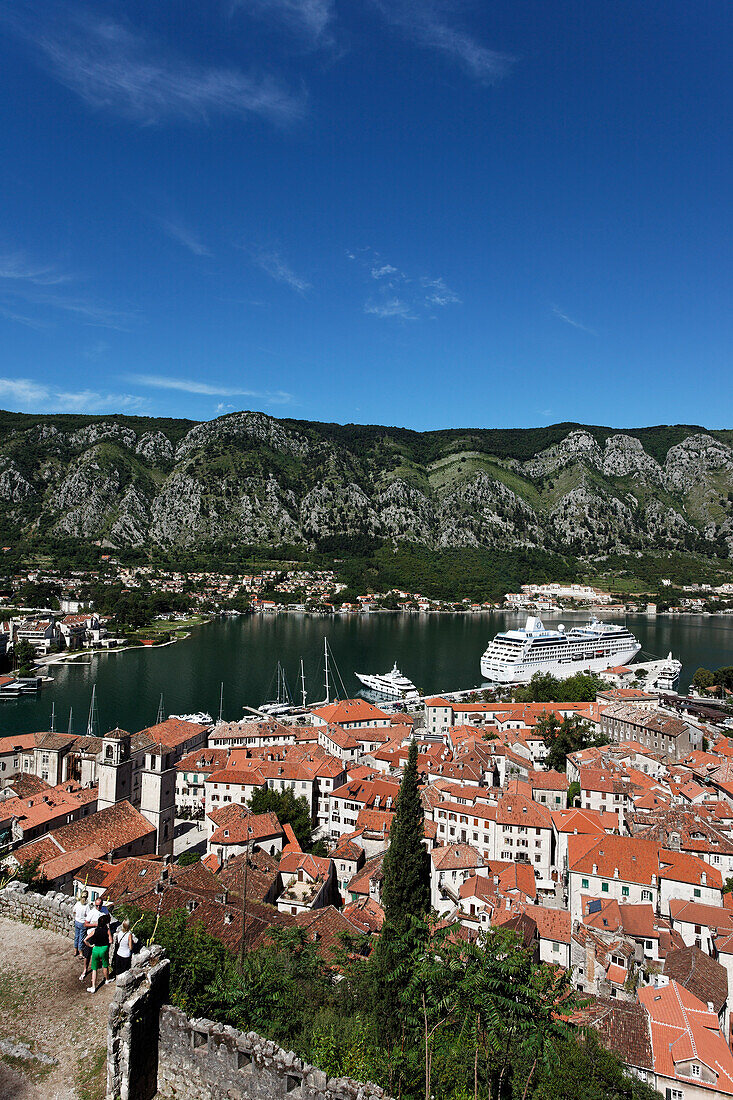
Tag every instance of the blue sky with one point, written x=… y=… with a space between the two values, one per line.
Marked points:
x=430 y=213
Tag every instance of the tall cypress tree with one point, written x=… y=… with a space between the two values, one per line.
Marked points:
x=407 y=863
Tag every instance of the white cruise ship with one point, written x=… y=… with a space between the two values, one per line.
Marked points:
x=514 y=656
x=393 y=684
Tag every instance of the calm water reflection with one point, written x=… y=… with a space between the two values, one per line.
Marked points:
x=437 y=652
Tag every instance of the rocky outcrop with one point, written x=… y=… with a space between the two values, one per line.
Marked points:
x=584 y=520
x=84 y=500
x=405 y=513
x=689 y=463
x=131 y=526
x=577 y=447
x=180 y=513
x=14 y=488
x=155 y=448
x=484 y=512
x=244 y=426
x=337 y=510
x=624 y=455
x=95 y=433
x=249 y=479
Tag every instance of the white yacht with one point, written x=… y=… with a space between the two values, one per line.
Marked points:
x=393 y=684
x=666 y=676
x=201 y=717
x=514 y=656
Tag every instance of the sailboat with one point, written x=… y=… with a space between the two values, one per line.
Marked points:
x=282 y=702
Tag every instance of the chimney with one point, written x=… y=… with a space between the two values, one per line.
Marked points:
x=615 y=872
x=595 y=868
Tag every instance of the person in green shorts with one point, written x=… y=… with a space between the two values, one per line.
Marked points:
x=100 y=941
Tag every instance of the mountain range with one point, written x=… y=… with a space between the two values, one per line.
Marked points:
x=250 y=479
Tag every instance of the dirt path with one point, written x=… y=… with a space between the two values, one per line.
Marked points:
x=53 y=1034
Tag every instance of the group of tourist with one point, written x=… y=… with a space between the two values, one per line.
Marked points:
x=94 y=941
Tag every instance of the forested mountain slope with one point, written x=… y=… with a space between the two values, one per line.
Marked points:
x=250 y=479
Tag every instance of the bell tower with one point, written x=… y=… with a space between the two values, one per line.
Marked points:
x=114 y=769
x=158 y=796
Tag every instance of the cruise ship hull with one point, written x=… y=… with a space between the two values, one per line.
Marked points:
x=561 y=670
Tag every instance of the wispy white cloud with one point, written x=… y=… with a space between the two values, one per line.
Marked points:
x=15 y=266
x=186 y=237
x=22 y=318
x=431 y=24
x=310 y=20
x=206 y=389
x=392 y=307
x=438 y=293
x=399 y=294
x=34 y=284
x=42 y=397
x=113 y=68
x=278 y=269
x=561 y=316
x=88 y=312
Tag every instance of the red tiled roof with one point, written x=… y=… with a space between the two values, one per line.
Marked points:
x=682 y=1030
x=174 y=732
x=456 y=856
x=616 y=974
x=552 y=924
x=236 y=827
x=106 y=830
x=636 y=860
x=351 y=710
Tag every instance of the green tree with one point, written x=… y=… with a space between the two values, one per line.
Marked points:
x=289 y=809
x=703 y=679
x=564 y=737
x=407 y=864
x=24 y=658
x=573 y=793
x=546 y=688
x=28 y=873
x=187 y=858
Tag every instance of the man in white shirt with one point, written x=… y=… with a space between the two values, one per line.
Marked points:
x=80 y=915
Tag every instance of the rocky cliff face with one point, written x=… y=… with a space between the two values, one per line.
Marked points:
x=250 y=479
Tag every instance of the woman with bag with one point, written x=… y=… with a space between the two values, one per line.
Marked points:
x=123 y=949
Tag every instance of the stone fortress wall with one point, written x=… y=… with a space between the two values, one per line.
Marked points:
x=52 y=911
x=154 y=1049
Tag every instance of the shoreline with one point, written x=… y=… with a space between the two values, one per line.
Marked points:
x=76 y=657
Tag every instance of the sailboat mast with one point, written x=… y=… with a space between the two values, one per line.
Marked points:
x=221 y=700
x=53 y=717
x=302 y=682
x=325 y=662
x=71 y=715
x=90 y=720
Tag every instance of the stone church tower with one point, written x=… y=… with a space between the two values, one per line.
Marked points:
x=158 y=795
x=114 y=769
